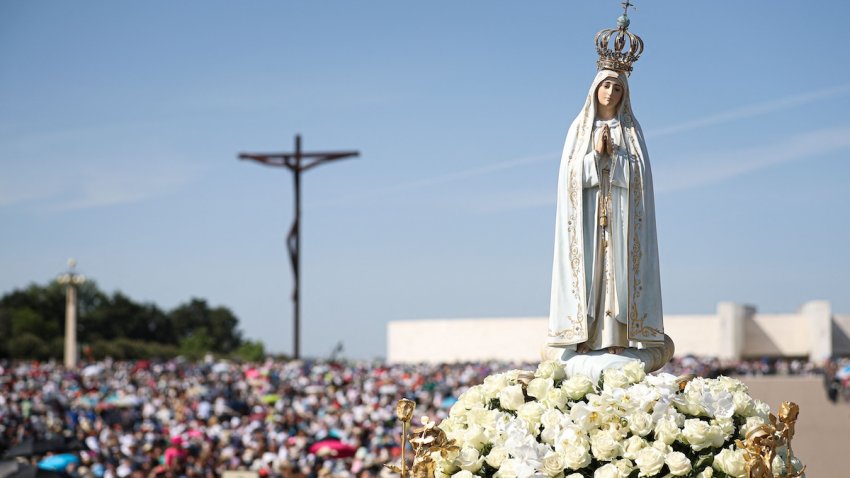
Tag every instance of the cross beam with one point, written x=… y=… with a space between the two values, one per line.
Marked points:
x=297 y=162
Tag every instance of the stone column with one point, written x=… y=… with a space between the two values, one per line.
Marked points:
x=71 y=327
x=731 y=319
x=818 y=314
x=71 y=280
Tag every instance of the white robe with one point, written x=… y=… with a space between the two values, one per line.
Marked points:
x=579 y=293
x=605 y=266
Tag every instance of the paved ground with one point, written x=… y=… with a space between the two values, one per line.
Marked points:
x=823 y=429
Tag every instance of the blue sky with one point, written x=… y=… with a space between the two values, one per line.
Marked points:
x=121 y=123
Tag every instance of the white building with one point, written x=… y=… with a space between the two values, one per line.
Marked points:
x=734 y=331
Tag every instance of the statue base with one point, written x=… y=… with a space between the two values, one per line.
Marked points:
x=593 y=363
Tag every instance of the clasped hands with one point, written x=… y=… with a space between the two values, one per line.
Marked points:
x=605 y=145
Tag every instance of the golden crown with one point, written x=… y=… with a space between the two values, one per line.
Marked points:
x=618 y=48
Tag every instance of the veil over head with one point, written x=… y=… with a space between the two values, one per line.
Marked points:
x=568 y=312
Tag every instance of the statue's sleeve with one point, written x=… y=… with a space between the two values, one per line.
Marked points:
x=588 y=175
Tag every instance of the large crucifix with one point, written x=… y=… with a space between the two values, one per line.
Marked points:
x=297 y=162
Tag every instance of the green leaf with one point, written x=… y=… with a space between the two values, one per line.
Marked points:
x=704 y=461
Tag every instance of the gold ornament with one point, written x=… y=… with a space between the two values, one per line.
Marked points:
x=404 y=410
x=761 y=444
x=425 y=441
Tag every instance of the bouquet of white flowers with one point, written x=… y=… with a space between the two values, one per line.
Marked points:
x=628 y=425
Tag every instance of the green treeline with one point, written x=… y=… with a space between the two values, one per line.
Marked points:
x=32 y=326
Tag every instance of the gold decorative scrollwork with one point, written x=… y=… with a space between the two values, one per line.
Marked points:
x=760 y=446
x=425 y=440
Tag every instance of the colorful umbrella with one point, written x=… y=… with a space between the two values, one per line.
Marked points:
x=58 y=462
x=334 y=448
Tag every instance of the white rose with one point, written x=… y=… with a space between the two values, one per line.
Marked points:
x=650 y=461
x=605 y=446
x=447 y=468
x=666 y=430
x=494 y=384
x=448 y=425
x=550 y=369
x=574 y=475
x=496 y=457
x=744 y=405
x=716 y=436
x=761 y=409
x=660 y=446
x=577 y=387
x=475 y=436
x=481 y=417
x=696 y=434
x=730 y=462
x=727 y=425
x=531 y=412
x=473 y=397
x=458 y=412
x=571 y=437
x=575 y=457
x=607 y=471
x=751 y=424
x=555 y=398
x=509 y=469
x=705 y=473
x=463 y=474
x=539 y=387
x=634 y=371
x=678 y=463
x=690 y=402
x=553 y=464
x=625 y=466
x=730 y=384
x=455 y=434
x=613 y=379
x=469 y=459
x=549 y=435
x=632 y=446
x=511 y=398
x=553 y=418
x=640 y=423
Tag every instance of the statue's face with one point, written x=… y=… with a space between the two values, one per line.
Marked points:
x=609 y=93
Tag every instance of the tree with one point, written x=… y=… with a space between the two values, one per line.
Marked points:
x=29 y=346
x=27 y=321
x=250 y=351
x=119 y=316
x=196 y=344
x=218 y=324
x=43 y=309
x=32 y=325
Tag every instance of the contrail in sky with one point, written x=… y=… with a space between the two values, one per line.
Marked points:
x=702 y=169
x=749 y=111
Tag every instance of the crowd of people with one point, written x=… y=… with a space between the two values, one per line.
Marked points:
x=292 y=419
x=712 y=366
x=836 y=379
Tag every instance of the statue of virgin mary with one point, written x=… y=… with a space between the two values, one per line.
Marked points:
x=606 y=286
